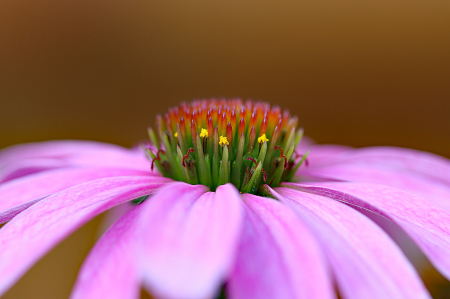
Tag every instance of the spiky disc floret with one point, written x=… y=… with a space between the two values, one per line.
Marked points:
x=213 y=142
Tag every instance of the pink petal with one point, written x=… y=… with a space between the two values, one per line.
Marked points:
x=10 y=213
x=323 y=154
x=396 y=233
x=29 y=166
x=110 y=270
x=424 y=163
x=427 y=224
x=366 y=262
x=408 y=160
x=189 y=239
x=52 y=149
x=36 y=230
x=428 y=188
x=278 y=256
x=15 y=195
x=122 y=158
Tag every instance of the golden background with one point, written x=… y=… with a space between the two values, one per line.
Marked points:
x=355 y=72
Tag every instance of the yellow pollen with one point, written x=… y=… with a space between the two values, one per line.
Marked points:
x=223 y=141
x=262 y=139
x=176 y=134
x=204 y=133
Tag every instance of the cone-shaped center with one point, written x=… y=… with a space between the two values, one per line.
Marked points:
x=213 y=142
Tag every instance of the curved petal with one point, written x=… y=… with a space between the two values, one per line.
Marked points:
x=126 y=159
x=323 y=154
x=122 y=158
x=36 y=230
x=29 y=166
x=51 y=149
x=366 y=262
x=15 y=195
x=401 y=238
x=428 y=188
x=427 y=224
x=278 y=256
x=402 y=159
x=110 y=270
x=189 y=239
x=412 y=160
x=10 y=213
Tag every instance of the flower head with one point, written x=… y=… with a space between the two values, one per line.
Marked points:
x=194 y=225
x=234 y=126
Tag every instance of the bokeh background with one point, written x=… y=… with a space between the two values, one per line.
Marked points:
x=360 y=73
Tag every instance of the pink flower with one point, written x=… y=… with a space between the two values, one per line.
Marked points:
x=291 y=231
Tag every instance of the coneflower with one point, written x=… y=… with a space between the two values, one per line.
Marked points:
x=226 y=200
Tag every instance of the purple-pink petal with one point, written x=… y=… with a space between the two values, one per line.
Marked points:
x=15 y=195
x=10 y=213
x=111 y=268
x=189 y=239
x=278 y=256
x=408 y=160
x=36 y=230
x=366 y=262
x=92 y=160
x=424 y=163
x=427 y=224
x=88 y=156
x=322 y=154
x=53 y=149
x=29 y=166
x=124 y=158
x=435 y=191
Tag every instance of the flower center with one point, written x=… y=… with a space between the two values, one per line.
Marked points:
x=214 y=142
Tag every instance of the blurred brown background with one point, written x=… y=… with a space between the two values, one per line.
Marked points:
x=355 y=72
